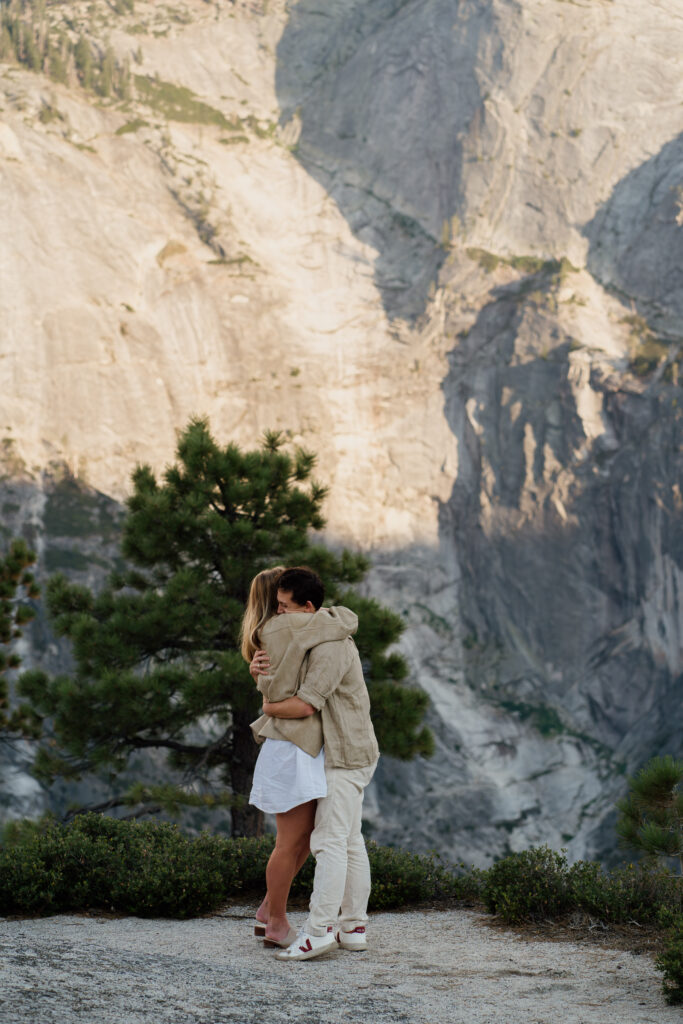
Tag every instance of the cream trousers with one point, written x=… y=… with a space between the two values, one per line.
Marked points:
x=342 y=870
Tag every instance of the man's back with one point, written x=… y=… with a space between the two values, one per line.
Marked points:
x=334 y=685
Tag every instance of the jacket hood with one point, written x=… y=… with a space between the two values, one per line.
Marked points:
x=309 y=629
x=288 y=638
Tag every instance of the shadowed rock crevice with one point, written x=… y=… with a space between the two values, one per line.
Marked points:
x=570 y=550
x=636 y=238
x=384 y=92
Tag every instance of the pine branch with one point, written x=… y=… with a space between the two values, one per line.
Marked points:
x=149 y=809
x=221 y=743
x=106 y=805
x=139 y=743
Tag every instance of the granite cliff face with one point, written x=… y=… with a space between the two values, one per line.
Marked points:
x=440 y=245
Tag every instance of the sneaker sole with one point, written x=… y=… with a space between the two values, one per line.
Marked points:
x=352 y=946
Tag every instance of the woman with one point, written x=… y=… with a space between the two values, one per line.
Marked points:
x=289 y=776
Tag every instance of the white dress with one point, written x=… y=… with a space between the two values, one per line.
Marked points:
x=286 y=776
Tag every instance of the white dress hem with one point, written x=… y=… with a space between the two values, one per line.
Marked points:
x=286 y=776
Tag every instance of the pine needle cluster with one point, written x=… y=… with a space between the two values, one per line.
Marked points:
x=651 y=816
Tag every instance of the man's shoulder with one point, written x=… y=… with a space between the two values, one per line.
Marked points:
x=343 y=652
x=284 y=623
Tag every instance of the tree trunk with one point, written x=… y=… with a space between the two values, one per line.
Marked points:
x=246 y=820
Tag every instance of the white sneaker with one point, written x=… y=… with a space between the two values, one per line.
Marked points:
x=355 y=940
x=306 y=946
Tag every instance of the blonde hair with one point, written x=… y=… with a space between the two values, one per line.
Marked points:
x=261 y=606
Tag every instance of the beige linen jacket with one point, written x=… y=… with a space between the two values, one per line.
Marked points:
x=288 y=640
x=334 y=685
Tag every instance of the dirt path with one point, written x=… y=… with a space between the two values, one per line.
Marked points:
x=422 y=968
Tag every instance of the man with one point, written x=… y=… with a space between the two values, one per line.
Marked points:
x=334 y=685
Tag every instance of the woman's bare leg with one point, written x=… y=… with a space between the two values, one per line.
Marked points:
x=263 y=912
x=291 y=849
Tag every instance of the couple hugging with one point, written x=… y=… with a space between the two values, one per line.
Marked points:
x=319 y=753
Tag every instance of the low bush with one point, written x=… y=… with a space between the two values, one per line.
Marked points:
x=251 y=856
x=528 y=885
x=635 y=892
x=399 y=877
x=539 y=884
x=670 y=961
x=151 y=869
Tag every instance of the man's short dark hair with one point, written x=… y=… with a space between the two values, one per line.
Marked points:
x=303 y=584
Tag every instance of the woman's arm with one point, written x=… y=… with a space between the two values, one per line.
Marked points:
x=292 y=707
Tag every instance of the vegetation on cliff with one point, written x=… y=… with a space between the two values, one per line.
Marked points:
x=30 y=38
x=17 y=589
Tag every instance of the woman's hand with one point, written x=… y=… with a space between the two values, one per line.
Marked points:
x=260 y=664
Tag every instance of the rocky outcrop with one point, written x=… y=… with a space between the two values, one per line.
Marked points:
x=505 y=124
x=439 y=245
x=77 y=968
x=636 y=241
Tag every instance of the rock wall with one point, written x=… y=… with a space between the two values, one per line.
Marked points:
x=438 y=244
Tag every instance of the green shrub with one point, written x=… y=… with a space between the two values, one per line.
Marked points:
x=251 y=856
x=131 y=126
x=152 y=869
x=148 y=869
x=670 y=962
x=528 y=885
x=538 y=883
x=635 y=892
x=488 y=261
x=399 y=878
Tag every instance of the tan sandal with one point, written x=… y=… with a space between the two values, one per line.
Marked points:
x=291 y=935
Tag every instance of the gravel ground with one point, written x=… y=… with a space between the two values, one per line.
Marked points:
x=422 y=968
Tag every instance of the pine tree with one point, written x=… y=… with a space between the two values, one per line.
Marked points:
x=15 y=613
x=17 y=35
x=56 y=65
x=124 y=80
x=105 y=82
x=157 y=650
x=33 y=58
x=84 y=62
x=7 y=49
x=651 y=816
